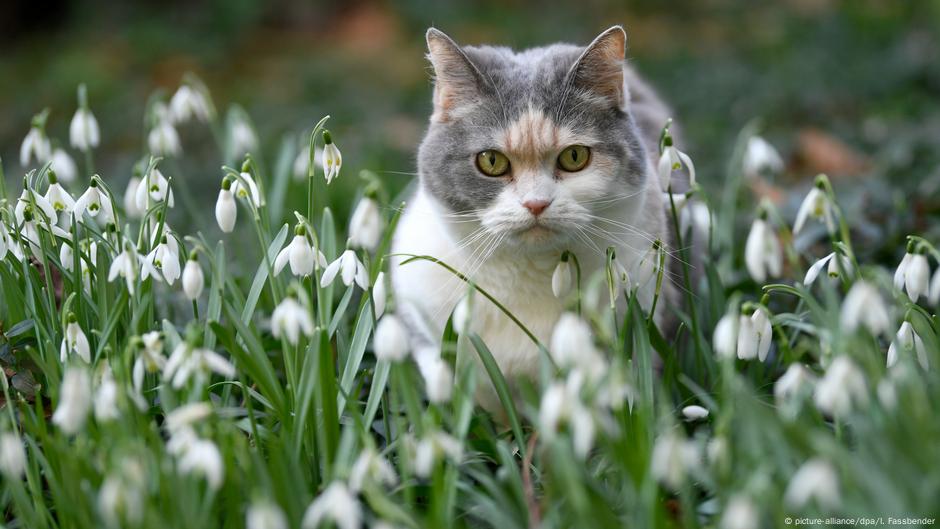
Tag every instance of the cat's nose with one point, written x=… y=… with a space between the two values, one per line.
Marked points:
x=536 y=207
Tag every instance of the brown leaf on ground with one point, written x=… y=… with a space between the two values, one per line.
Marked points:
x=818 y=151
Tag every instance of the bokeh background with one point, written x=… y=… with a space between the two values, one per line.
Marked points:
x=850 y=88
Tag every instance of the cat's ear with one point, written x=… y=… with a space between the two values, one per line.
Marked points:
x=599 y=69
x=456 y=79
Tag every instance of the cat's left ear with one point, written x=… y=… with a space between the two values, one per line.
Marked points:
x=599 y=70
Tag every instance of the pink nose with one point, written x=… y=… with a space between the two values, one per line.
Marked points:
x=536 y=207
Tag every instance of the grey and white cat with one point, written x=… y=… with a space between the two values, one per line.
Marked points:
x=527 y=154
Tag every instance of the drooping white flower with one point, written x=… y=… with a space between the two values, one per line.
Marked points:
x=120 y=498
x=94 y=202
x=725 y=339
x=572 y=346
x=747 y=338
x=671 y=160
x=130 y=199
x=562 y=277
x=163 y=140
x=63 y=165
x=149 y=359
x=74 y=342
x=189 y=102
x=815 y=481
x=186 y=416
x=462 y=315
x=242 y=138
x=226 y=211
x=907 y=340
x=190 y=363
x=289 y=319
x=818 y=206
x=75 y=399
x=562 y=405
x=299 y=252
x=60 y=199
x=740 y=513
x=130 y=265
x=842 y=388
x=350 y=268
x=694 y=413
x=695 y=215
x=365 y=227
x=265 y=514
x=336 y=504
x=933 y=297
x=29 y=197
x=245 y=187
x=796 y=381
x=164 y=259
x=83 y=130
x=193 y=279
x=432 y=448
x=835 y=263
x=152 y=190
x=762 y=328
x=391 y=339
x=106 y=396
x=673 y=458
x=913 y=275
x=302 y=163
x=762 y=253
x=12 y=456
x=35 y=145
x=864 y=306
x=760 y=157
x=437 y=374
x=332 y=158
x=202 y=457
x=370 y=466
x=379 y=293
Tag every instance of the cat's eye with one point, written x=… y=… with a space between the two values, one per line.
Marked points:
x=574 y=158
x=492 y=163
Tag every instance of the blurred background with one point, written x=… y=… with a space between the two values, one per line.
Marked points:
x=850 y=88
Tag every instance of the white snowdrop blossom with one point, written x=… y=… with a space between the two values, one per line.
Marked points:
x=265 y=514
x=189 y=102
x=299 y=253
x=120 y=497
x=202 y=457
x=562 y=405
x=760 y=157
x=796 y=382
x=907 y=340
x=391 y=339
x=75 y=399
x=694 y=413
x=332 y=158
x=74 y=342
x=150 y=359
x=96 y=203
x=29 y=197
x=370 y=466
x=35 y=145
x=63 y=165
x=572 y=346
x=350 y=269
x=242 y=138
x=365 y=227
x=763 y=255
x=818 y=206
x=763 y=330
x=226 y=211
x=106 y=397
x=462 y=315
x=432 y=448
x=289 y=319
x=835 y=263
x=740 y=513
x=152 y=190
x=562 y=277
x=379 y=292
x=933 y=296
x=725 y=339
x=193 y=278
x=842 y=388
x=184 y=417
x=673 y=458
x=437 y=374
x=747 y=338
x=244 y=187
x=863 y=305
x=165 y=259
x=130 y=199
x=60 y=199
x=190 y=363
x=815 y=481
x=83 y=130
x=12 y=456
x=336 y=504
x=302 y=163
x=163 y=140
x=671 y=160
x=130 y=265
x=913 y=275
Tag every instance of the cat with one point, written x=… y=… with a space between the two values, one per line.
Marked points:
x=527 y=154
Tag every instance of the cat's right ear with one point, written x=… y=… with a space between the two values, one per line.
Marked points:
x=456 y=80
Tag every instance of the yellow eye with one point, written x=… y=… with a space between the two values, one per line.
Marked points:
x=574 y=158
x=492 y=163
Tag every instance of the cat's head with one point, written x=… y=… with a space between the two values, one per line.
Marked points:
x=531 y=145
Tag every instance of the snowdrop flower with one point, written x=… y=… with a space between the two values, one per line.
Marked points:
x=818 y=206
x=83 y=130
x=864 y=306
x=433 y=447
x=763 y=330
x=163 y=140
x=302 y=163
x=164 y=259
x=350 y=268
x=796 y=381
x=693 y=214
x=225 y=209
x=673 y=458
x=379 y=292
x=370 y=466
x=725 y=339
x=188 y=102
x=150 y=359
x=202 y=457
x=761 y=157
x=105 y=403
x=74 y=342
x=437 y=374
x=671 y=160
x=64 y=165
x=130 y=199
x=933 y=297
x=94 y=202
x=694 y=413
x=907 y=340
x=245 y=187
x=572 y=346
x=561 y=404
x=120 y=498
x=365 y=227
x=27 y=198
x=299 y=253
x=35 y=145
x=391 y=339
x=835 y=263
x=74 y=400
x=6 y=242
x=462 y=315
x=336 y=504
x=187 y=362
x=762 y=253
x=913 y=274
x=747 y=338
x=185 y=416
x=562 y=277
x=265 y=515
x=129 y=264
x=242 y=138
x=332 y=158
x=152 y=190
x=815 y=480
x=842 y=387
x=290 y=319
x=60 y=199
x=193 y=279
x=740 y=513
x=12 y=456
